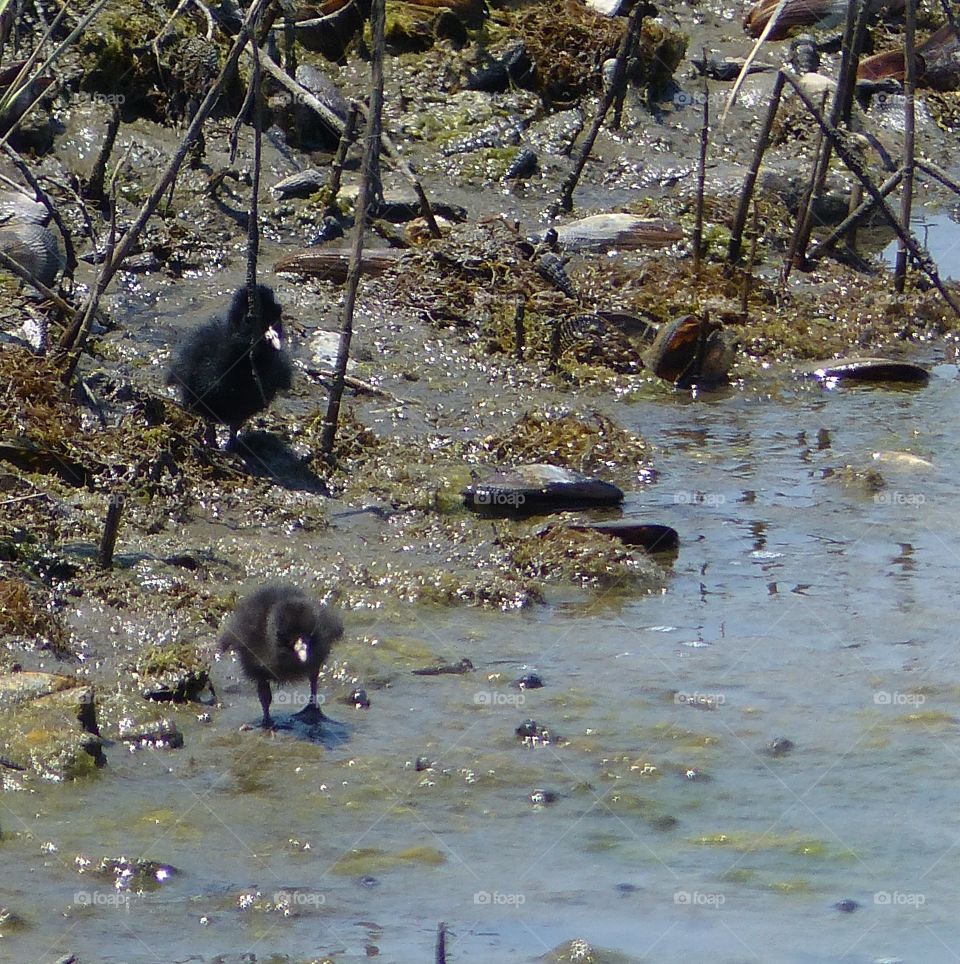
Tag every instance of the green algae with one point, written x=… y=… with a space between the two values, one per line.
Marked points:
x=372 y=860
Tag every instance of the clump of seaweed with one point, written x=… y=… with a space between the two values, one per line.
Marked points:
x=24 y=618
x=568 y=42
x=35 y=402
x=177 y=672
x=587 y=444
x=588 y=558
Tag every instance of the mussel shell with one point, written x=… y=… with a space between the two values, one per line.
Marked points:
x=301 y=184
x=688 y=351
x=17 y=206
x=34 y=247
x=646 y=535
x=539 y=488
x=867 y=370
x=603 y=232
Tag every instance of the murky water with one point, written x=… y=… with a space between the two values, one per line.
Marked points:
x=801 y=606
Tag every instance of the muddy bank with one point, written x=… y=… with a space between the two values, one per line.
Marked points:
x=384 y=533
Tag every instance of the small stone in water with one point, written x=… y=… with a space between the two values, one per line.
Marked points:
x=423 y=763
x=780 y=746
x=543 y=798
x=368 y=881
x=531 y=681
x=846 y=906
x=360 y=699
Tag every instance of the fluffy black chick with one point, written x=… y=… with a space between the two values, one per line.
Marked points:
x=280 y=634
x=230 y=368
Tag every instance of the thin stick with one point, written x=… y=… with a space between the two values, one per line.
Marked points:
x=367 y=174
x=751 y=261
x=95 y=183
x=736 y=233
x=854 y=35
x=440 y=957
x=360 y=386
x=253 y=224
x=801 y=227
x=336 y=170
x=938 y=174
x=701 y=174
x=518 y=328
x=111 y=527
x=909 y=131
x=640 y=11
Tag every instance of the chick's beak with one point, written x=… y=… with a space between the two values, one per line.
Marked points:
x=273 y=336
x=301 y=649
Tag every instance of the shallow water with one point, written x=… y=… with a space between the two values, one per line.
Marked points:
x=800 y=606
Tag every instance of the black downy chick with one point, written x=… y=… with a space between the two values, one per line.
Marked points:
x=228 y=370
x=280 y=634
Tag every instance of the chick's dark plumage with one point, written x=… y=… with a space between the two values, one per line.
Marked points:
x=280 y=634
x=230 y=369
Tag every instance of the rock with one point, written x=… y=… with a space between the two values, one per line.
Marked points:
x=780 y=746
x=445 y=669
x=48 y=728
x=532 y=734
x=530 y=681
x=331 y=32
x=159 y=735
x=846 y=906
x=539 y=487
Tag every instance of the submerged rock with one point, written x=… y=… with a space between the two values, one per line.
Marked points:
x=125 y=873
x=539 y=487
x=446 y=669
x=48 y=728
